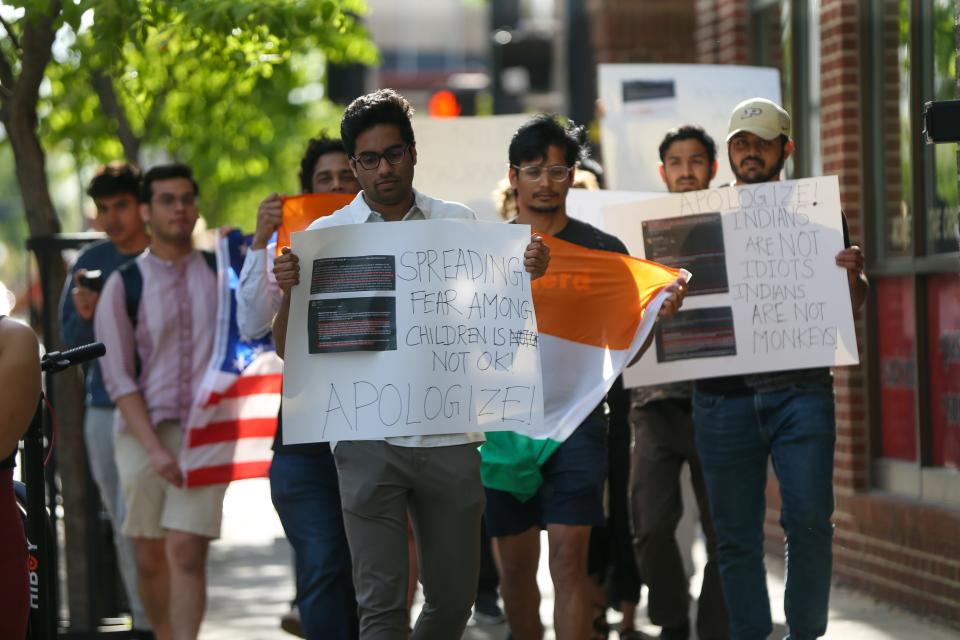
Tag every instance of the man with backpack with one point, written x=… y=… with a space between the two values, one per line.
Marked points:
x=156 y=316
x=115 y=190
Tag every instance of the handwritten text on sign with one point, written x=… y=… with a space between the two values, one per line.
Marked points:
x=766 y=294
x=408 y=329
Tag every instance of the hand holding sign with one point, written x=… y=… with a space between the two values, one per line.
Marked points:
x=536 y=257
x=286 y=269
x=677 y=291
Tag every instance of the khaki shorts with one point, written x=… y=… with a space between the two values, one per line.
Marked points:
x=153 y=504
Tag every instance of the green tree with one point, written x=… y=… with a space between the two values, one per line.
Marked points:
x=207 y=82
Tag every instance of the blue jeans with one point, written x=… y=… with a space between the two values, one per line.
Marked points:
x=735 y=436
x=306 y=495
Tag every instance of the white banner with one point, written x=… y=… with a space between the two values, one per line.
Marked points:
x=464 y=159
x=642 y=102
x=411 y=328
x=766 y=293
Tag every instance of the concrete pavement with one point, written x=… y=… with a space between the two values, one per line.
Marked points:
x=251 y=586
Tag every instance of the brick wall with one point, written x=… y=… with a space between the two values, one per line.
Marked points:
x=903 y=551
x=647 y=31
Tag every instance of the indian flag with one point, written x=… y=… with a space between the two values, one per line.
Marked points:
x=300 y=211
x=595 y=310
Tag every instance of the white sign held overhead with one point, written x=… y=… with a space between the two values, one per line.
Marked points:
x=641 y=102
x=464 y=159
x=411 y=329
x=766 y=293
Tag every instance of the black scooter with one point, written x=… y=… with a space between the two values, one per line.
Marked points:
x=39 y=525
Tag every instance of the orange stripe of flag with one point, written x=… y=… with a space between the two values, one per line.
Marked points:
x=300 y=211
x=595 y=297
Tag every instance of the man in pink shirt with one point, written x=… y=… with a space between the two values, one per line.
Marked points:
x=156 y=316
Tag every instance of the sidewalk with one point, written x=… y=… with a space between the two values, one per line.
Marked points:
x=251 y=586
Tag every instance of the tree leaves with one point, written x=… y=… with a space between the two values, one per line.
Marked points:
x=206 y=82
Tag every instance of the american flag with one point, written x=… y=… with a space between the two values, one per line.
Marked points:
x=234 y=415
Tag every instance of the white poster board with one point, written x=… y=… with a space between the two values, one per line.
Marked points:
x=642 y=102
x=588 y=206
x=411 y=328
x=766 y=293
x=464 y=159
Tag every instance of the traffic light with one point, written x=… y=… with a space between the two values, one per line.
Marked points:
x=444 y=104
x=461 y=94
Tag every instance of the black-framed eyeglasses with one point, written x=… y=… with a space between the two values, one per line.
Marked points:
x=370 y=160
x=533 y=172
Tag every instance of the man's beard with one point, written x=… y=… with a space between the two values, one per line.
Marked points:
x=756 y=179
x=550 y=208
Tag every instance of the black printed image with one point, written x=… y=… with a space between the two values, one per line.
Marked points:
x=694 y=243
x=638 y=90
x=353 y=273
x=352 y=324
x=696 y=333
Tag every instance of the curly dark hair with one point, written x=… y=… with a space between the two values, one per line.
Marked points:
x=542 y=131
x=690 y=132
x=113 y=179
x=385 y=106
x=315 y=148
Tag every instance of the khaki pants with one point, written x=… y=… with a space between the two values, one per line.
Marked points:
x=153 y=504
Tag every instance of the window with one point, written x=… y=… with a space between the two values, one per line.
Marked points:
x=944 y=206
x=915 y=308
x=785 y=34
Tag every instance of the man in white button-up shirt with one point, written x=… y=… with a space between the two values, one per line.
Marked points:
x=303 y=477
x=436 y=477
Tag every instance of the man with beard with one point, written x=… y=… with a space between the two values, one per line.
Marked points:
x=114 y=190
x=787 y=416
x=156 y=317
x=663 y=443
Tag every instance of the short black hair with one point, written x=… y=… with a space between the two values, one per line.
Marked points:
x=316 y=148
x=385 y=106
x=542 y=131
x=689 y=132
x=165 y=172
x=113 y=179
x=594 y=167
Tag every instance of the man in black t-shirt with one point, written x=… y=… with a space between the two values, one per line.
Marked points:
x=543 y=155
x=787 y=416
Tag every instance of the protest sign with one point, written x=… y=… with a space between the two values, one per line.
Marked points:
x=405 y=329
x=642 y=101
x=588 y=206
x=766 y=293
x=464 y=159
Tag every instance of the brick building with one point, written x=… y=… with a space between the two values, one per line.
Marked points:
x=855 y=76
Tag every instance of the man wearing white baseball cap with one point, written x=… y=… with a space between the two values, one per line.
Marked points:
x=743 y=421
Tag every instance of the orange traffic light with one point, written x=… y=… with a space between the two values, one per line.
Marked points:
x=444 y=104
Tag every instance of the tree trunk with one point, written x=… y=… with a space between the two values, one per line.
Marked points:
x=107 y=93
x=19 y=116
